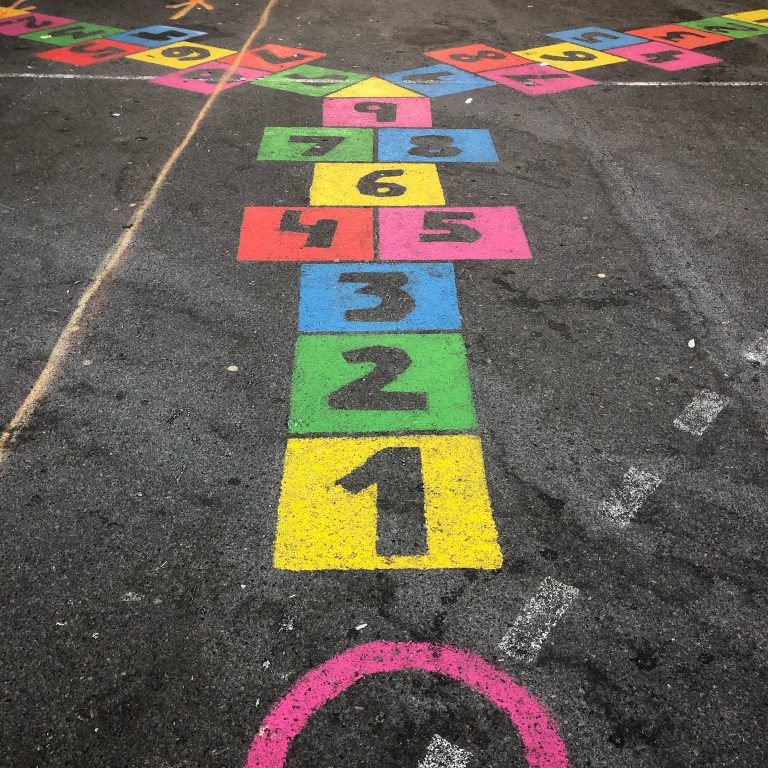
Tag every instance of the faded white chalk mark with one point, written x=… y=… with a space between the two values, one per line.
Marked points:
x=540 y=615
x=442 y=754
x=625 y=503
x=73 y=76
x=757 y=351
x=700 y=412
x=688 y=83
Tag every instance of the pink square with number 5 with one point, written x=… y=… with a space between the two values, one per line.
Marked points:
x=445 y=233
x=663 y=56
x=538 y=79
x=204 y=77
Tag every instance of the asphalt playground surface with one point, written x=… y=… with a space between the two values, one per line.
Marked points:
x=144 y=623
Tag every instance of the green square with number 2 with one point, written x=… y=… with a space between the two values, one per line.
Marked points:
x=317 y=145
x=72 y=33
x=381 y=382
x=310 y=80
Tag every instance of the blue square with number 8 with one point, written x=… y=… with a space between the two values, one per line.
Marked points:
x=436 y=145
x=355 y=298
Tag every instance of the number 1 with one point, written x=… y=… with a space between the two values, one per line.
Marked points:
x=397 y=474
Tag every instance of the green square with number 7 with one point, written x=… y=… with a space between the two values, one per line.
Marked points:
x=310 y=80
x=381 y=382
x=310 y=144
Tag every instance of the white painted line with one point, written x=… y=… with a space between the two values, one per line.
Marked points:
x=757 y=351
x=700 y=412
x=688 y=83
x=442 y=754
x=625 y=503
x=538 y=619
x=622 y=83
x=76 y=76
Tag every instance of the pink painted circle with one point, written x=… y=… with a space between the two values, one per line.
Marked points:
x=544 y=747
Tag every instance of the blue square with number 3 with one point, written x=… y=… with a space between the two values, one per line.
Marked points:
x=354 y=298
x=436 y=145
x=598 y=38
x=438 y=80
x=156 y=35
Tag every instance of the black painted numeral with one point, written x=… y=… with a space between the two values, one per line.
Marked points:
x=426 y=78
x=468 y=58
x=532 y=79
x=456 y=233
x=570 y=56
x=433 y=145
x=595 y=37
x=320 y=145
x=366 y=393
x=676 y=35
x=397 y=474
x=273 y=58
x=320 y=233
x=167 y=35
x=395 y=304
x=385 y=113
x=185 y=53
x=662 y=57
x=370 y=184
x=96 y=53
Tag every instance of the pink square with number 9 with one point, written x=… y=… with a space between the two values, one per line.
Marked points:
x=538 y=79
x=203 y=78
x=663 y=56
x=378 y=112
x=445 y=233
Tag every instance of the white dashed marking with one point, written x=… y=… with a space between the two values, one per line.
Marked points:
x=700 y=412
x=625 y=503
x=442 y=754
x=538 y=619
x=757 y=351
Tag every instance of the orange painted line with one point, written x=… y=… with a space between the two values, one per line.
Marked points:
x=82 y=313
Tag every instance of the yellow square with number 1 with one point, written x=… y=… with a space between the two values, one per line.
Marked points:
x=569 y=56
x=376 y=184
x=368 y=503
x=181 y=55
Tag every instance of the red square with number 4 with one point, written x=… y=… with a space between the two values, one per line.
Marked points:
x=90 y=52
x=275 y=58
x=306 y=234
x=476 y=58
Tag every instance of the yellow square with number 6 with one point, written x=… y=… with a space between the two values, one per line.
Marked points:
x=376 y=184
x=181 y=55
x=569 y=57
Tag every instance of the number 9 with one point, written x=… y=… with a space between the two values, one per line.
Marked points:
x=186 y=53
x=570 y=56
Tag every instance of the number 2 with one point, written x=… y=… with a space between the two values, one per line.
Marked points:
x=366 y=393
